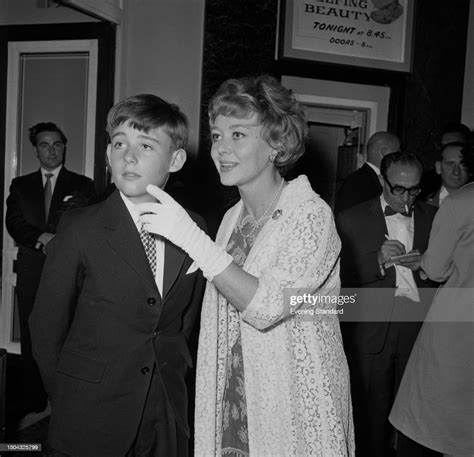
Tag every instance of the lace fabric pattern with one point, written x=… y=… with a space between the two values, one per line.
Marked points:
x=296 y=375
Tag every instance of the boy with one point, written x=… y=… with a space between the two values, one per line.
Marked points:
x=115 y=306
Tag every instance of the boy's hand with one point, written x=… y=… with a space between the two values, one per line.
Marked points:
x=168 y=219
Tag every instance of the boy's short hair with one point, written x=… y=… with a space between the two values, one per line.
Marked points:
x=34 y=131
x=146 y=112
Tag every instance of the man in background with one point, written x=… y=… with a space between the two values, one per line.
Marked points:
x=392 y=298
x=34 y=206
x=364 y=183
x=452 y=173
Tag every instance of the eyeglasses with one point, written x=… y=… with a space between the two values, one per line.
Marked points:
x=400 y=190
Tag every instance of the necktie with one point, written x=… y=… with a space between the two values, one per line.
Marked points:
x=390 y=212
x=148 y=242
x=48 y=193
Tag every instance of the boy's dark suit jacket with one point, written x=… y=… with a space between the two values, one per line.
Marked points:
x=362 y=229
x=26 y=220
x=360 y=186
x=99 y=325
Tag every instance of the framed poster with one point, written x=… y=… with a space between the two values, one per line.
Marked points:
x=364 y=33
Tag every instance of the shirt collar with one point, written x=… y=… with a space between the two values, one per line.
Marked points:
x=132 y=208
x=443 y=193
x=384 y=204
x=54 y=172
x=375 y=168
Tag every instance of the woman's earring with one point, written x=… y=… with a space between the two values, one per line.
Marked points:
x=272 y=156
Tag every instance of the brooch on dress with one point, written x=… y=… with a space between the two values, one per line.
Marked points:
x=276 y=214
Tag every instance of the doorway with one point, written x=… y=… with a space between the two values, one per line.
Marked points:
x=60 y=73
x=334 y=148
x=341 y=117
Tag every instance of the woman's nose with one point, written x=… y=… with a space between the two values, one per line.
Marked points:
x=223 y=147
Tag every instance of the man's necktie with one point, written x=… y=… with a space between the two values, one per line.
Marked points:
x=390 y=212
x=48 y=193
x=149 y=245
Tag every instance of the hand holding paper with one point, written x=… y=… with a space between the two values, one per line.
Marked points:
x=168 y=219
x=409 y=260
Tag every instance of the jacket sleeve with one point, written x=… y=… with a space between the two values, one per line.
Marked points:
x=22 y=231
x=55 y=302
x=194 y=307
x=306 y=261
x=359 y=263
x=89 y=191
x=437 y=261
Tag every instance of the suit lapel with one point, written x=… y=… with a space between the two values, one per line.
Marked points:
x=174 y=261
x=376 y=222
x=422 y=229
x=372 y=176
x=37 y=198
x=123 y=237
x=60 y=190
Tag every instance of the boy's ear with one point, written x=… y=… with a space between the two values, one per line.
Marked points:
x=109 y=147
x=178 y=159
x=438 y=167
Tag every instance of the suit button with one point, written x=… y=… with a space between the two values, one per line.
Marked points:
x=145 y=370
x=151 y=301
x=154 y=335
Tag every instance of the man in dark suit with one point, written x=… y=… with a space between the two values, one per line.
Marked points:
x=116 y=305
x=34 y=206
x=364 y=183
x=391 y=302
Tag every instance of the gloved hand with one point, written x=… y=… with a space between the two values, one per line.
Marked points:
x=171 y=221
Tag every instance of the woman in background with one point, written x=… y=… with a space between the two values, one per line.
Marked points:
x=435 y=402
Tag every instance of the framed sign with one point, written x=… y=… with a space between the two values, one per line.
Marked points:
x=364 y=33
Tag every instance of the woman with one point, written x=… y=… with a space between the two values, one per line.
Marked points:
x=272 y=377
x=435 y=402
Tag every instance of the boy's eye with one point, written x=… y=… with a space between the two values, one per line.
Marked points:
x=147 y=147
x=214 y=137
x=118 y=144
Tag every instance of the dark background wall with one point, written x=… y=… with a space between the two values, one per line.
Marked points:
x=239 y=39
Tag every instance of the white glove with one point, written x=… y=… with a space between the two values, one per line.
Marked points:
x=171 y=221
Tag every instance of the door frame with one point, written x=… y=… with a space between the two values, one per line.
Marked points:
x=103 y=34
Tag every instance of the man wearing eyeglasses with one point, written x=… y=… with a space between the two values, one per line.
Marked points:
x=391 y=301
x=34 y=206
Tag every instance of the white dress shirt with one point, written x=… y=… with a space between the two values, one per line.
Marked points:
x=159 y=243
x=53 y=178
x=443 y=193
x=402 y=228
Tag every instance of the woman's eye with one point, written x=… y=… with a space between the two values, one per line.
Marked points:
x=147 y=147
x=238 y=135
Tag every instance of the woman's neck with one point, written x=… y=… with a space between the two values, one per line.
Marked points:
x=260 y=198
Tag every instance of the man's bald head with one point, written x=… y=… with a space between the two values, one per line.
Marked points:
x=379 y=145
